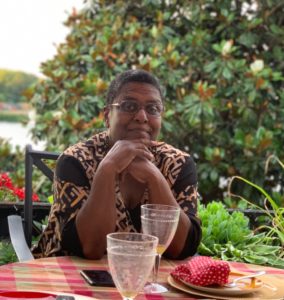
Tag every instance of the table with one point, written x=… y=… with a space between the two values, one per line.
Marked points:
x=61 y=274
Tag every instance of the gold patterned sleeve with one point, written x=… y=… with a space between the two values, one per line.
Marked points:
x=185 y=191
x=69 y=199
x=60 y=236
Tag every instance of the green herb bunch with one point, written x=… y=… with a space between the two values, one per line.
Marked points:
x=228 y=236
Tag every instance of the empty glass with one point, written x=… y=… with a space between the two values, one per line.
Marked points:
x=131 y=258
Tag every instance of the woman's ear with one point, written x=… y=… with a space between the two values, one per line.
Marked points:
x=106 y=115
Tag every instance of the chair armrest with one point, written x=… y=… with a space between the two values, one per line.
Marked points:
x=18 y=239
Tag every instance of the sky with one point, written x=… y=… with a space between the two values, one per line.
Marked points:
x=30 y=31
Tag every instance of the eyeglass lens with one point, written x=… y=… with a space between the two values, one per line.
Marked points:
x=133 y=107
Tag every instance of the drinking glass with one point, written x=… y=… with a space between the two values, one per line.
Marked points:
x=161 y=221
x=131 y=258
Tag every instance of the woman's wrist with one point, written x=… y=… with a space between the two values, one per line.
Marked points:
x=106 y=168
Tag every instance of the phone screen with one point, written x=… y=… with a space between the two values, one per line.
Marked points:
x=98 y=277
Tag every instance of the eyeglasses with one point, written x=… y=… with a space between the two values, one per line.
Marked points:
x=132 y=107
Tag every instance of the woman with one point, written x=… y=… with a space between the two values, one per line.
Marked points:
x=101 y=183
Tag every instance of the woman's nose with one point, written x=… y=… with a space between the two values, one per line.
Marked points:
x=141 y=115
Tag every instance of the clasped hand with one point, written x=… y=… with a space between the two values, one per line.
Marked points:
x=132 y=157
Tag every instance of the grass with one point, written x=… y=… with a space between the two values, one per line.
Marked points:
x=277 y=217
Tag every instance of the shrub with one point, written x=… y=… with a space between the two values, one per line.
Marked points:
x=220 y=63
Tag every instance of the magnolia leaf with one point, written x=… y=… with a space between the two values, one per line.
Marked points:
x=248 y=39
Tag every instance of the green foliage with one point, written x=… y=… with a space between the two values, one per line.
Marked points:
x=276 y=217
x=221 y=63
x=13 y=85
x=228 y=236
x=7 y=253
x=41 y=185
x=215 y=218
x=13 y=162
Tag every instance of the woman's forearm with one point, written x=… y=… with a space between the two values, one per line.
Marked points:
x=97 y=217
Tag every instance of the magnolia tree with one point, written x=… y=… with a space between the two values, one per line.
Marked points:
x=221 y=65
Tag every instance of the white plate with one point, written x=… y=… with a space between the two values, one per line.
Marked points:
x=241 y=288
x=221 y=290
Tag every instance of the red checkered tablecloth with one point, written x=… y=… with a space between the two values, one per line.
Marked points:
x=61 y=274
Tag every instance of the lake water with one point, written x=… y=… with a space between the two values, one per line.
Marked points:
x=18 y=134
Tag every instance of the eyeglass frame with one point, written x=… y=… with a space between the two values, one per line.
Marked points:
x=140 y=106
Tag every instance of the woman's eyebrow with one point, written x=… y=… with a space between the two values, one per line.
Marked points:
x=130 y=98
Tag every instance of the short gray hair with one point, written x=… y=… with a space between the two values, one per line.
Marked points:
x=125 y=77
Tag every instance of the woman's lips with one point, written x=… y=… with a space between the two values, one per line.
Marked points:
x=139 y=133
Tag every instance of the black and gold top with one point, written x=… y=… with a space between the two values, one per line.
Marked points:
x=73 y=177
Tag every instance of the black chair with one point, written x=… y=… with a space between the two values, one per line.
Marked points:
x=21 y=230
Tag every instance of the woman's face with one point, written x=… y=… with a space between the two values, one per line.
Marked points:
x=127 y=126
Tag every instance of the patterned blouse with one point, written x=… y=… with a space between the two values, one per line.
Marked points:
x=73 y=177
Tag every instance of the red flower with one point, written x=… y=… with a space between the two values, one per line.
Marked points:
x=35 y=198
x=9 y=190
x=5 y=181
x=20 y=193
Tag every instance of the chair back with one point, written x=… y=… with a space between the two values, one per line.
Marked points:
x=34 y=158
x=17 y=237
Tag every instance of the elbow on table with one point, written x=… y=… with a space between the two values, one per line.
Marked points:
x=91 y=252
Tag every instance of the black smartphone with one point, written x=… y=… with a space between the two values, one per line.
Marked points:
x=98 y=277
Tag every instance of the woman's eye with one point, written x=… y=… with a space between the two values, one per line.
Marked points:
x=129 y=107
x=153 y=109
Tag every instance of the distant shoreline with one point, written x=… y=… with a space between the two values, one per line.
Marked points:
x=14 y=112
x=14 y=116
